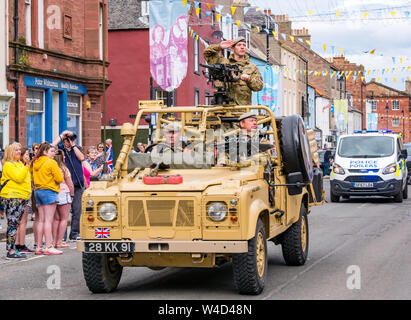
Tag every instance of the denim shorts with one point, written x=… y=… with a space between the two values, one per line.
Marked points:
x=45 y=196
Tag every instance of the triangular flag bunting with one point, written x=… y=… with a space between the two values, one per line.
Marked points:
x=233 y=9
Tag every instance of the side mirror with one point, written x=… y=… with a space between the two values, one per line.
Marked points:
x=296 y=179
x=404 y=153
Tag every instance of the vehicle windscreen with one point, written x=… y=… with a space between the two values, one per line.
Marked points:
x=366 y=147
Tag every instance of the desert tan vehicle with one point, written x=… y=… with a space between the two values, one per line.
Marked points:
x=182 y=210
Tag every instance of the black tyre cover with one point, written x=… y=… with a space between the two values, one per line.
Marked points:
x=295 y=148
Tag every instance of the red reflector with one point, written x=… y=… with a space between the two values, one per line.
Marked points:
x=173 y=179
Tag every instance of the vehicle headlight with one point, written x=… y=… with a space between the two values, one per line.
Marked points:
x=390 y=169
x=338 y=169
x=217 y=211
x=108 y=211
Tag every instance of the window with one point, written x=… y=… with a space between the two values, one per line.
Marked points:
x=144 y=8
x=40 y=25
x=196 y=56
x=207 y=98
x=234 y=31
x=34 y=116
x=247 y=38
x=28 y=22
x=395 y=105
x=196 y=96
x=199 y=11
x=374 y=105
x=160 y=94
x=74 y=114
x=213 y=19
x=100 y=31
x=395 y=122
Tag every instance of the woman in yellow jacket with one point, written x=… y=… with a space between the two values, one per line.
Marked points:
x=47 y=178
x=15 y=193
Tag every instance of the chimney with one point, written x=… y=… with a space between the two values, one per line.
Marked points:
x=408 y=86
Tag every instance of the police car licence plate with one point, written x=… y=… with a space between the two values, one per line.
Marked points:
x=109 y=247
x=363 y=184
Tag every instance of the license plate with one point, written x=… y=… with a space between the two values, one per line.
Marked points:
x=110 y=247
x=363 y=185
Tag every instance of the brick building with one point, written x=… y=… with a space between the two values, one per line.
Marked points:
x=355 y=83
x=392 y=107
x=56 y=69
x=129 y=55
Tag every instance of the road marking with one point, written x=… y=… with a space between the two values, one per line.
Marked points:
x=363 y=205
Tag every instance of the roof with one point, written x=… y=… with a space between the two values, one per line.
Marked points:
x=403 y=93
x=126 y=14
x=318 y=92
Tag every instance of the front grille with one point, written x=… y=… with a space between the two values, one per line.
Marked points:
x=363 y=170
x=363 y=179
x=161 y=213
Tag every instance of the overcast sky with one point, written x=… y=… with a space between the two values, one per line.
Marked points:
x=362 y=25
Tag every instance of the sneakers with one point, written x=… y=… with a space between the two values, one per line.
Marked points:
x=51 y=251
x=15 y=255
x=24 y=249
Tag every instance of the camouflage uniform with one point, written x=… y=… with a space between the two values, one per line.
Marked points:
x=240 y=90
x=222 y=156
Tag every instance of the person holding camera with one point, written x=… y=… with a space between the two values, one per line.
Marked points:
x=250 y=78
x=74 y=158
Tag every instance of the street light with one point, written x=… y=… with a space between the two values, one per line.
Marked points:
x=268 y=32
x=386 y=109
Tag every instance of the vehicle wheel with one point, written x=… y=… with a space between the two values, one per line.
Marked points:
x=334 y=198
x=295 y=148
x=405 y=192
x=399 y=196
x=102 y=272
x=250 y=268
x=294 y=242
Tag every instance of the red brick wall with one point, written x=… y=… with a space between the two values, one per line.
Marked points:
x=382 y=95
x=74 y=60
x=354 y=84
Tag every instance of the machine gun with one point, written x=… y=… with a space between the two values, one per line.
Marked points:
x=224 y=74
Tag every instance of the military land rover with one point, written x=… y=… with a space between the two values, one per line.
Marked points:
x=184 y=209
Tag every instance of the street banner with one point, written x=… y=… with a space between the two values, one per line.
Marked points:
x=269 y=95
x=341 y=115
x=372 y=121
x=168 y=42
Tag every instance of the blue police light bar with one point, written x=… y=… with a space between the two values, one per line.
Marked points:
x=386 y=131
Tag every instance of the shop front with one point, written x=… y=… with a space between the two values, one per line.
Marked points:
x=52 y=106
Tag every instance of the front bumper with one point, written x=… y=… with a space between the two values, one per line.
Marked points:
x=381 y=188
x=179 y=246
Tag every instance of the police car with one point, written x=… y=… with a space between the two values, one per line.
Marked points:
x=369 y=164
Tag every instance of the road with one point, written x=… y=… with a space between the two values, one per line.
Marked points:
x=358 y=249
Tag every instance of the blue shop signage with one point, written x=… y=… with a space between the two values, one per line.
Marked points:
x=45 y=83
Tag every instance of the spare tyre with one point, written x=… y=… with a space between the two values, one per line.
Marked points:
x=295 y=147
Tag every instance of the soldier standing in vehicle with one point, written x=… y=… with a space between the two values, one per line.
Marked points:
x=250 y=79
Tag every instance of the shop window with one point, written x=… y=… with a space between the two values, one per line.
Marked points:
x=35 y=116
x=74 y=115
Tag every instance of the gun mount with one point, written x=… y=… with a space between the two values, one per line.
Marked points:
x=224 y=75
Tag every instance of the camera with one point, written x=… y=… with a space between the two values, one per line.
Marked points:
x=71 y=137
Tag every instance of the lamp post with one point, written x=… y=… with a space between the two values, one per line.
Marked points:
x=386 y=109
x=268 y=31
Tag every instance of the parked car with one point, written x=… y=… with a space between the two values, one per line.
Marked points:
x=408 y=161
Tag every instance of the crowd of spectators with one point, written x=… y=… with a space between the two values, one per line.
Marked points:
x=48 y=182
